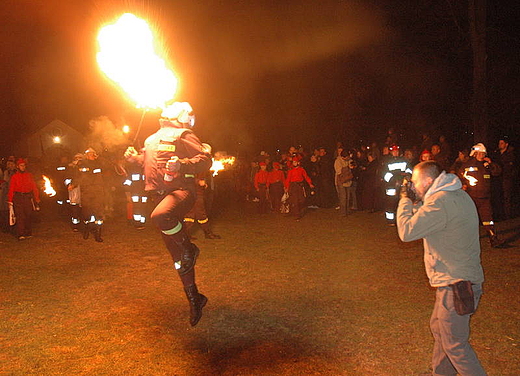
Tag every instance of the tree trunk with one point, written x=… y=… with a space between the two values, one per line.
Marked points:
x=477 y=23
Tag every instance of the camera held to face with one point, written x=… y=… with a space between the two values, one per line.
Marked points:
x=407 y=188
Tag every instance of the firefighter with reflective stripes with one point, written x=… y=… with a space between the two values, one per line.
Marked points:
x=476 y=180
x=90 y=178
x=136 y=197
x=59 y=176
x=172 y=157
x=74 y=192
x=197 y=214
x=395 y=169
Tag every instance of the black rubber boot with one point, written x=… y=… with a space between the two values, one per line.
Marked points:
x=189 y=254
x=86 y=230
x=97 y=234
x=210 y=235
x=197 y=302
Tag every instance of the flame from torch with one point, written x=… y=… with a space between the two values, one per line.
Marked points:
x=127 y=56
x=48 y=187
x=220 y=164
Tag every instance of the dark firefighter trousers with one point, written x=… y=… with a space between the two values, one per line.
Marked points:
x=169 y=212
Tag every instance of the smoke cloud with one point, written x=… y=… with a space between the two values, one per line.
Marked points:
x=104 y=136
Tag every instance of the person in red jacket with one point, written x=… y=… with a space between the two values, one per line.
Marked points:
x=261 y=185
x=23 y=195
x=294 y=184
x=275 y=181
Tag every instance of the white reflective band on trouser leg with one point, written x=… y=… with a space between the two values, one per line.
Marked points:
x=390 y=191
x=75 y=221
x=135 y=198
x=202 y=221
x=137 y=217
x=99 y=222
x=136 y=177
x=59 y=202
x=174 y=230
x=389 y=215
x=144 y=199
x=92 y=218
x=143 y=219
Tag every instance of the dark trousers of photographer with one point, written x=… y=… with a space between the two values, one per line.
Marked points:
x=452 y=352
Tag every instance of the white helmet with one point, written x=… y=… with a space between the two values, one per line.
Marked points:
x=477 y=148
x=180 y=111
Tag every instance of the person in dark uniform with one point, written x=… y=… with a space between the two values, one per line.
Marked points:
x=506 y=159
x=59 y=176
x=172 y=157
x=476 y=180
x=136 y=197
x=198 y=211
x=74 y=193
x=67 y=199
x=24 y=196
x=90 y=178
x=394 y=169
x=294 y=185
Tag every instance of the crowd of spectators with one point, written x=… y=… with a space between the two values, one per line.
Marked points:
x=365 y=187
x=362 y=189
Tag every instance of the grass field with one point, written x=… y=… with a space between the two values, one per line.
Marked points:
x=324 y=296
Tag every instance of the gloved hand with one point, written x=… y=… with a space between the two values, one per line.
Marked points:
x=407 y=190
x=173 y=165
x=130 y=153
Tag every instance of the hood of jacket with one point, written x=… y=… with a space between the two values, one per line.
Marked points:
x=444 y=182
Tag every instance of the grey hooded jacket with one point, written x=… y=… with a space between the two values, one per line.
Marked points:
x=448 y=223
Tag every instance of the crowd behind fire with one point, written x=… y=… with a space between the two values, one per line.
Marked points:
x=294 y=182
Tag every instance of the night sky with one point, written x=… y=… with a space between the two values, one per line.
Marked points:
x=267 y=74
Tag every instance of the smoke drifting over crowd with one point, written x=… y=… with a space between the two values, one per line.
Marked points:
x=104 y=136
x=297 y=71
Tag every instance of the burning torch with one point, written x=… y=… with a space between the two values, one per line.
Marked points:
x=127 y=55
x=221 y=164
x=48 y=189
